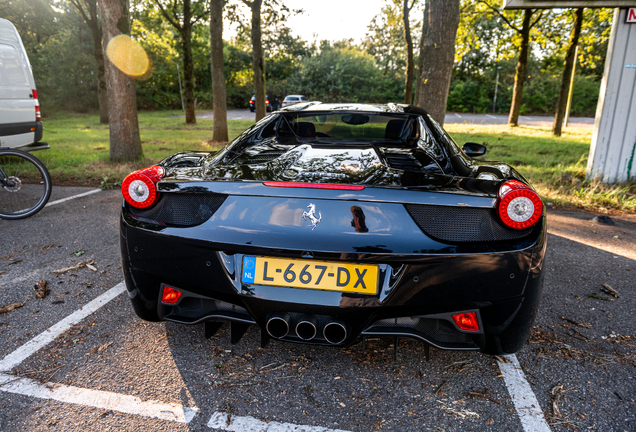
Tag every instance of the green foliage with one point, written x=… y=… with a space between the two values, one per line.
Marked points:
x=342 y=73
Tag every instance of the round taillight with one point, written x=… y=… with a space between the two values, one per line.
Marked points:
x=519 y=207
x=140 y=188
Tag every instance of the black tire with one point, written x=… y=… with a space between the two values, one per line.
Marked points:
x=25 y=184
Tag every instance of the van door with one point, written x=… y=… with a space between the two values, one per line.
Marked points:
x=17 y=102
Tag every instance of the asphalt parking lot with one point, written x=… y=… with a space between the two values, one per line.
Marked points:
x=79 y=358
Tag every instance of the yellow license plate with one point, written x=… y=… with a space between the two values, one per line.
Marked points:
x=322 y=275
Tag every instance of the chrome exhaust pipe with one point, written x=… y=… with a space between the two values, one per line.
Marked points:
x=306 y=328
x=278 y=325
x=335 y=332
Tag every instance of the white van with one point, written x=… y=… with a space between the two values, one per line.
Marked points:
x=20 y=120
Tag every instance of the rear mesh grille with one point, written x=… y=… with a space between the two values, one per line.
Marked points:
x=403 y=161
x=181 y=210
x=435 y=329
x=461 y=224
x=266 y=156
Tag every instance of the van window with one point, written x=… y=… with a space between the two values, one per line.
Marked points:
x=11 y=70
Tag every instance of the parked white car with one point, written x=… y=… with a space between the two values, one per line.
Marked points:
x=293 y=99
x=20 y=120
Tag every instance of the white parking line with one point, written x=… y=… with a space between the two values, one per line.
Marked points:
x=526 y=404
x=60 y=201
x=223 y=421
x=97 y=399
x=525 y=118
x=50 y=334
x=81 y=396
x=489 y=116
x=458 y=115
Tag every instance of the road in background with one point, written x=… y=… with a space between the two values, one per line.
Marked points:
x=451 y=118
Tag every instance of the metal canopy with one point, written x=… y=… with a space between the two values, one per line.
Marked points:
x=554 y=4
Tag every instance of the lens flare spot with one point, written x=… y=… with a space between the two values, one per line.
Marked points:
x=129 y=56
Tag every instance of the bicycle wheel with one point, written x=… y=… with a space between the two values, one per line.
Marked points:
x=25 y=184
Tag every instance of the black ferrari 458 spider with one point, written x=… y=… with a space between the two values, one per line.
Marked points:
x=329 y=223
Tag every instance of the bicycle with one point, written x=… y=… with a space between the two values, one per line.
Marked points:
x=25 y=184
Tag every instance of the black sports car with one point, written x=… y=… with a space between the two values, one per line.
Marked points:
x=326 y=224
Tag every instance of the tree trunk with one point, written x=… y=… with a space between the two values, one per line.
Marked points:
x=218 y=71
x=125 y=143
x=420 y=60
x=567 y=73
x=520 y=72
x=258 y=61
x=408 y=83
x=188 y=64
x=92 y=21
x=438 y=53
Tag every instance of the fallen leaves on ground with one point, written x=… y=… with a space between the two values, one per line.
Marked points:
x=87 y=263
x=11 y=307
x=42 y=289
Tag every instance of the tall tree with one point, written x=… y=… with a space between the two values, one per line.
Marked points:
x=183 y=15
x=438 y=51
x=88 y=10
x=410 y=66
x=218 y=71
x=570 y=58
x=125 y=143
x=522 y=63
x=420 y=60
x=258 y=60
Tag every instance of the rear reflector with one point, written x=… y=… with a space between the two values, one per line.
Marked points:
x=314 y=185
x=467 y=321
x=170 y=295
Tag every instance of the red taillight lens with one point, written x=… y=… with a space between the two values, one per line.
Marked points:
x=170 y=295
x=140 y=188
x=266 y=102
x=313 y=185
x=38 y=115
x=467 y=321
x=518 y=206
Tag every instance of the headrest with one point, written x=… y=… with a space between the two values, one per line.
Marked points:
x=305 y=129
x=393 y=129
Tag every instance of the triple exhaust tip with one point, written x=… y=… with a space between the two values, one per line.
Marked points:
x=306 y=329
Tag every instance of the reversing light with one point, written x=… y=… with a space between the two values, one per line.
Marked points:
x=140 y=188
x=313 y=185
x=518 y=206
x=467 y=321
x=170 y=295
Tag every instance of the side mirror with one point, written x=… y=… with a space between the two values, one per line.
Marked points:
x=473 y=149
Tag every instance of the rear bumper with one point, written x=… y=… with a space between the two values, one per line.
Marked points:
x=418 y=291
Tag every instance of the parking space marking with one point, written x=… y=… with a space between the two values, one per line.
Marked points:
x=50 y=334
x=458 y=115
x=523 y=398
x=81 y=396
x=60 y=201
x=97 y=399
x=489 y=116
x=223 y=421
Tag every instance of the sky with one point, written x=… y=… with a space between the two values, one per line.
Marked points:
x=331 y=19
